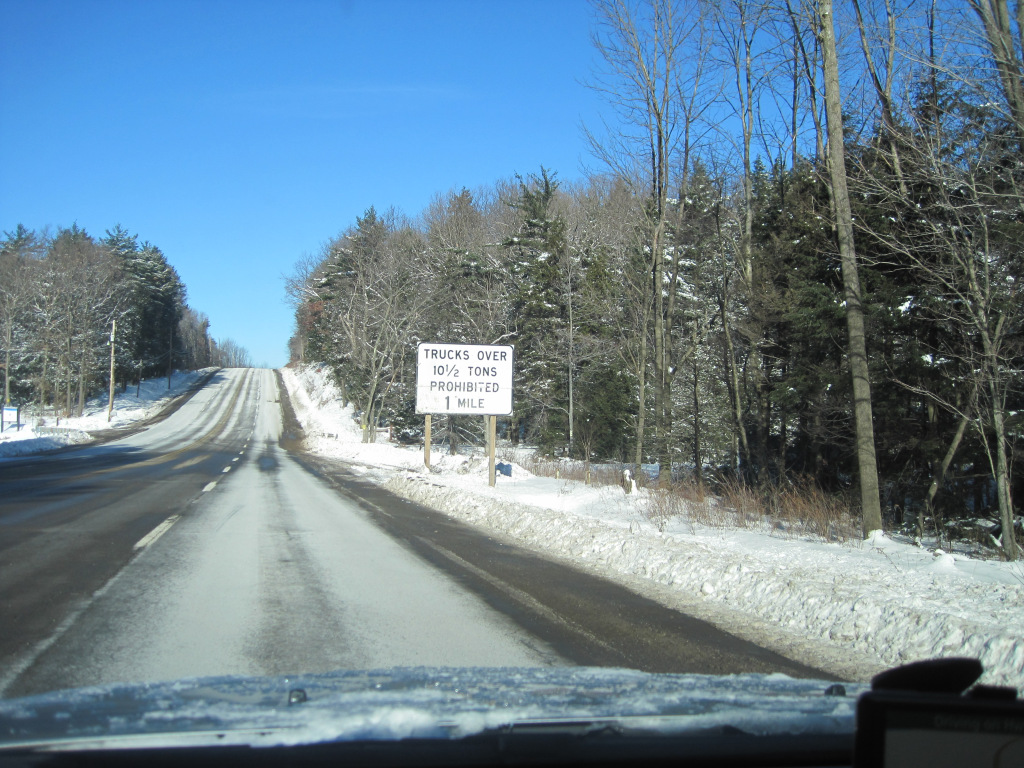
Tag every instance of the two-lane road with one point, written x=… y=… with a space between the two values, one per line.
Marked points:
x=69 y=522
x=200 y=546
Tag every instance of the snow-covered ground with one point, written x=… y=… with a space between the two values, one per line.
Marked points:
x=851 y=609
x=135 y=404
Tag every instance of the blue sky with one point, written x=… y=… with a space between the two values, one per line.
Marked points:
x=238 y=136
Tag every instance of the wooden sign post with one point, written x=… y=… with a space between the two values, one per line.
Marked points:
x=464 y=379
x=492 y=424
x=426 y=442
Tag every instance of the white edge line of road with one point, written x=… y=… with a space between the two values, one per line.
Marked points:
x=19 y=665
x=156 y=533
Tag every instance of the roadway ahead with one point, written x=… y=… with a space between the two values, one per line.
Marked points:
x=200 y=546
x=70 y=521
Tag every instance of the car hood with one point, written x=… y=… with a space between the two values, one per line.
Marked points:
x=422 y=703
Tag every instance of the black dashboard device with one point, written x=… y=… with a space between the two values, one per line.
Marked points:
x=935 y=726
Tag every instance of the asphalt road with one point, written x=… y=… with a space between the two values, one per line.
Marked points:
x=206 y=545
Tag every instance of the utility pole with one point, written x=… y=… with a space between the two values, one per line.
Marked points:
x=113 y=333
x=170 y=359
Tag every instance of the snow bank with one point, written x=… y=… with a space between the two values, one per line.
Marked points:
x=851 y=609
x=131 y=406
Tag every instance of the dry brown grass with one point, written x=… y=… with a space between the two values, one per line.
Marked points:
x=796 y=508
x=802 y=508
x=744 y=502
x=663 y=505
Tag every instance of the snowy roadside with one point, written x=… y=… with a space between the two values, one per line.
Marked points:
x=130 y=407
x=851 y=609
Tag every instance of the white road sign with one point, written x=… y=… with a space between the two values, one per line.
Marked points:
x=464 y=378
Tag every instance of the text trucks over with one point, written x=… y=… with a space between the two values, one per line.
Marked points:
x=464 y=378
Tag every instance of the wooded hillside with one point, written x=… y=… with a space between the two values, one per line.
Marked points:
x=753 y=282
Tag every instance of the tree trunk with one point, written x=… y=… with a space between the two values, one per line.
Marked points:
x=939 y=470
x=783 y=442
x=641 y=419
x=1001 y=470
x=764 y=426
x=453 y=436
x=733 y=380
x=364 y=425
x=68 y=376
x=999 y=34
x=80 y=405
x=42 y=383
x=662 y=338
x=7 y=373
x=857 y=350
x=698 y=458
x=1003 y=495
x=570 y=365
x=170 y=358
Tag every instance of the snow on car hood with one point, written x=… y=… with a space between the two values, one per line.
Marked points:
x=442 y=703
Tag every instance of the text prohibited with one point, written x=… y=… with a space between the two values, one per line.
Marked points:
x=464 y=378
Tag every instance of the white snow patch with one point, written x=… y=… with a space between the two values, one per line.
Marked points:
x=133 y=405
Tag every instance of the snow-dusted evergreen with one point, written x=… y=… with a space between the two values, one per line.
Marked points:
x=63 y=296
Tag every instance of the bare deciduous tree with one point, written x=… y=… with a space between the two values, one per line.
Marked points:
x=18 y=254
x=655 y=54
x=867 y=464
